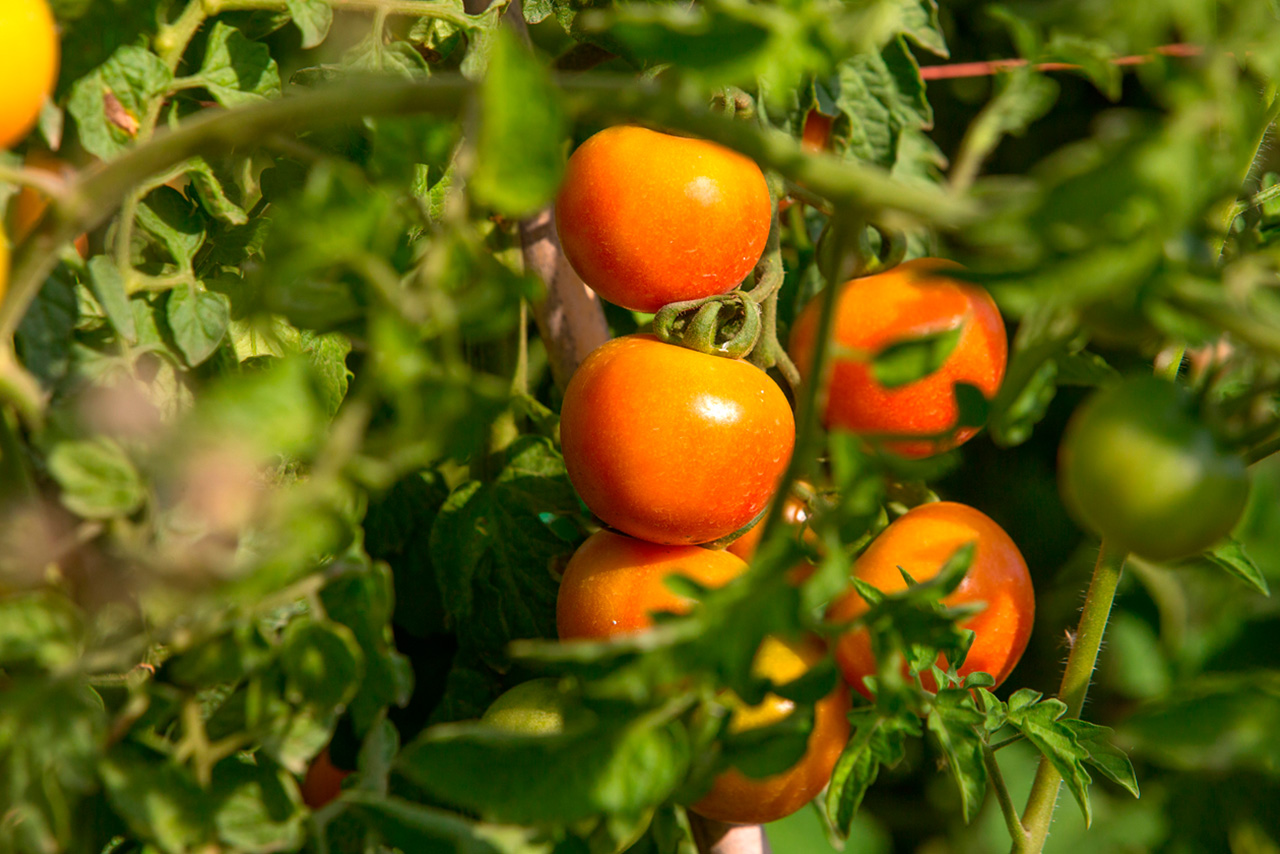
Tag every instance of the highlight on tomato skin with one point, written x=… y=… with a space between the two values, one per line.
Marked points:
x=614 y=583
x=920 y=542
x=914 y=299
x=736 y=798
x=674 y=446
x=649 y=218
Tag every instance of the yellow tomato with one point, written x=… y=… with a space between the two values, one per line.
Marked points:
x=28 y=65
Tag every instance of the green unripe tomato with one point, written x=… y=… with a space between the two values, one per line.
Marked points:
x=536 y=707
x=1139 y=468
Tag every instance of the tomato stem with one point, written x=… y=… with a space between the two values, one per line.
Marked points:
x=1075 y=685
x=1017 y=832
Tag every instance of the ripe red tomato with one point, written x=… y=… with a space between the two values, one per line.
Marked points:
x=671 y=445
x=648 y=218
x=911 y=300
x=1140 y=468
x=323 y=782
x=737 y=798
x=817 y=131
x=613 y=584
x=920 y=542
x=28 y=65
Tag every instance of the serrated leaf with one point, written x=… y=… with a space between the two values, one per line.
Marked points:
x=176 y=223
x=1231 y=556
x=109 y=102
x=198 y=320
x=875 y=742
x=906 y=361
x=955 y=723
x=237 y=71
x=313 y=18
x=520 y=146
x=1103 y=755
x=108 y=289
x=499 y=550
x=97 y=478
x=1040 y=723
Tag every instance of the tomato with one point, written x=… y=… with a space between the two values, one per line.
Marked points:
x=794 y=512
x=920 y=542
x=909 y=301
x=323 y=782
x=535 y=707
x=671 y=445
x=737 y=798
x=817 y=131
x=613 y=583
x=648 y=218
x=1139 y=468
x=29 y=205
x=28 y=65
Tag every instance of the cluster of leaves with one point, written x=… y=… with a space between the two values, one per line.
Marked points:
x=278 y=464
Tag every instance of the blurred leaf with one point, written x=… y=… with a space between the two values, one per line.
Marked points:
x=108 y=289
x=158 y=800
x=1231 y=556
x=237 y=71
x=1085 y=369
x=40 y=629
x=323 y=663
x=413 y=827
x=906 y=361
x=875 y=741
x=520 y=147
x=256 y=805
x=198 y=319
x=764 y=751
x=174 y=221
x=96 y=477
x=45 y=335
x=956 y=723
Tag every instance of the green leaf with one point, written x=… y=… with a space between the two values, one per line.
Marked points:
x=1231 y=556
x=1103 y=755
x=256 y=806
x=109 y=103
x=619 y=765
x=40 y=629
x=906 y=361
x=45 y=335
x=520 y=146
x=174 y=221
x=875 y=742
x=413 y=827
x=237 y=71
x=227 y=657
x=158 y=800
x=1022 y=97
x=1085 y=369
x=764 y=751
x=213 y=196
x=328 y=357
x=957 y=724
x=97 y=478
x=198 y=320
x=313 y=18
x=1056 y=740
x=276 y=410
x=499 y=550
x=323 y=663
x=108 y=289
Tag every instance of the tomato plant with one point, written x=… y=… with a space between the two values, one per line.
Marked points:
x=638 y=409
x=30 y=205
x=919 y=543
x=649 y=218
x=1142 y=469
x=735 y=797
x=913 y=300
x=614 y=584
x=29 y=64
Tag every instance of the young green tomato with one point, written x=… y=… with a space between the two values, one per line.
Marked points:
x=1138 y=467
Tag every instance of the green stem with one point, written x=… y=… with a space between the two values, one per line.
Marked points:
x=1010 y=812
x=1075 y=685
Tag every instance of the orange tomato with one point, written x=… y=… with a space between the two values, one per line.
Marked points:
x=794 y=512
x=737 y=798
x=911 y=300
x=613 y=584
x=28 y=65
x=29 y=205
x=671 y=445
x=323 y=782
x=648 y=218
x=920 y=542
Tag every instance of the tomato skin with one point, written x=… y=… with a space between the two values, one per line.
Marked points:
x=647 y=218
x=613 y=584
x=323 y=782
x=816 y=134
x=913 y=299
x=29 y=205
x=670 y=445
x=739 y=799
x=1138 y=467
x=28 y=65
x=920 y=542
